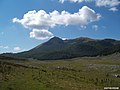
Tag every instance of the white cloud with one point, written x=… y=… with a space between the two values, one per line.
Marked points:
x=111 y=4
x=17 y=49
x=4 y=47
x=114 y=9
x=40 y=21
x=107 y=3
x=40 y=34
x=75 y=1
x=95 y=27
x=64 y=38
x=37 y=20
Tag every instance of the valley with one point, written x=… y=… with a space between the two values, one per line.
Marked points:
x=83 y=73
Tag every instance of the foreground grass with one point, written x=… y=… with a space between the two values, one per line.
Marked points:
x=74 y=74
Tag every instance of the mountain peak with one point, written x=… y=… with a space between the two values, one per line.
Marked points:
x=56 y=48
x=55 y=39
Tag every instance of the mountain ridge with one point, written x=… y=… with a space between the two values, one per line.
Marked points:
x=56 y=48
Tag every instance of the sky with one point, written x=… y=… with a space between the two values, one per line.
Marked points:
x=25 y=24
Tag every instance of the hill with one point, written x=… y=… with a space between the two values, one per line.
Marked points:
x=56 y=48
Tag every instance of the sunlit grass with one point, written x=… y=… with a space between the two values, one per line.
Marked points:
x=74 y=74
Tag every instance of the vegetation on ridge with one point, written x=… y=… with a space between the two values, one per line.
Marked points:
x=57 y=48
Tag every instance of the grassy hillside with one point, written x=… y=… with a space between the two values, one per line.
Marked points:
x=57 y=48
x=93 y=73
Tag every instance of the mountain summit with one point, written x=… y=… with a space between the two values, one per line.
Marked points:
x=56 y=48
x=55 y=40
x=54 y=44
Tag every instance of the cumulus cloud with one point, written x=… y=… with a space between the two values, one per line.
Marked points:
x=112 y=4
x=107 y=3
x=41 y=21
x=40 y=34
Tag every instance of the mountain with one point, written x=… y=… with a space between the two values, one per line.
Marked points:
x=56 y=48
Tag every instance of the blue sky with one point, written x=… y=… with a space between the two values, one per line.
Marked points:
x=16 y=34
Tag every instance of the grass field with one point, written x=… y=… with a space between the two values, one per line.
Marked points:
x=93 y=73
